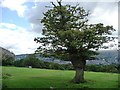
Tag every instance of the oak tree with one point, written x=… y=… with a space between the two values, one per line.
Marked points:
x=69 y=36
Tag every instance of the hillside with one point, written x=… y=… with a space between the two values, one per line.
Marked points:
x=105 y=57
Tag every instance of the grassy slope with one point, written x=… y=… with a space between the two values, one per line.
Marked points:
x=43 y=78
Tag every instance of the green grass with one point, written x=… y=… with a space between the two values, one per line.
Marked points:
x=15 y=77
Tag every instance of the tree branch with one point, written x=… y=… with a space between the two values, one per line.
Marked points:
x=53 y=4
x=59 y=2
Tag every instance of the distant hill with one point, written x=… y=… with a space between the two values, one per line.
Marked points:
x=46 y=59
x=104 y=57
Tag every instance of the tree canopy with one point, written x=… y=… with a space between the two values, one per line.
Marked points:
x=66 y=30
x=68 y=35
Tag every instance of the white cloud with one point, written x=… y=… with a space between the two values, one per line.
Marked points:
x=106 y=13
x=112 y=45
x=35 y=14
x=18 y=40
x=9 y=26
x=105 y=16
x=37 y=28
x=101 y=12
x=17 y=5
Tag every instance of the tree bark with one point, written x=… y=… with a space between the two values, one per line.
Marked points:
x=79 y=66
x=79 y=76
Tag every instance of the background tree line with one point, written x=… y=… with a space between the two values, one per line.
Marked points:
x=31 y=60
x=34 y=62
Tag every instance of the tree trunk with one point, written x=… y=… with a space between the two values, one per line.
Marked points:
x=79 y=76
x=79 y=66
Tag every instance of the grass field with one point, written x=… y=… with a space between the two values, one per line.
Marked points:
x=14 y=77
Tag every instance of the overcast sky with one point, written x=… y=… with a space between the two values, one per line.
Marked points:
x=20 y=24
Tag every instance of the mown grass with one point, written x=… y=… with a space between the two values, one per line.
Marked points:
x=44 y=78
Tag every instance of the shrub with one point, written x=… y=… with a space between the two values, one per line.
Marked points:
x=102 y=68
x=7 y=60
x=69 y=67
x=31 y=60
x=19 y=63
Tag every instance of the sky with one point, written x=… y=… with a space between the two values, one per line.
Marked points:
x=20 y=24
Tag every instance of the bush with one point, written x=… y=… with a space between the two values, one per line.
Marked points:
x=42 y=64
x=31 y=60
x=19 y=63
x=7 y=60
x=69 y=67
x=94 y=68
x=102 y=68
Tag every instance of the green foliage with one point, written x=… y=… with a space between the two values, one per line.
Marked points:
x=66 y=30
x=19 y=63
x=41 y=64
x=7 y=60
x=31 y=60
x=113 y=68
